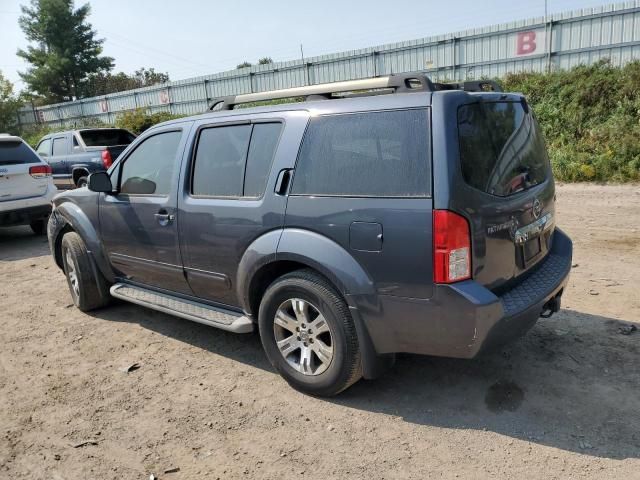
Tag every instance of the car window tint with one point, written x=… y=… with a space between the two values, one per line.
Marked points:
x=44 y=147
x=219 y=162
x=502 y=151
x=149 y=169
x=60 y=146
x=106 y=137
x=264 y=140
x=16 y=152
x=378 y=154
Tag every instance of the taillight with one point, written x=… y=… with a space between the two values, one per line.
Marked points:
x=40 y=171
x=106 y=159
x=451 y=247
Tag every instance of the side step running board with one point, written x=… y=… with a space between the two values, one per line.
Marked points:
x=196 y=312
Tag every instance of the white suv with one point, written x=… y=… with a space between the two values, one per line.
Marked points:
x=26 y=186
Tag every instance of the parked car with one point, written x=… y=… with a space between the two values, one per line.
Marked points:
x=75 y=154
x=402 y=216
x=26 y=186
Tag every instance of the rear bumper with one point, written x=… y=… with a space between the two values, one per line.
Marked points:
x=464 y=318
x=24 y=216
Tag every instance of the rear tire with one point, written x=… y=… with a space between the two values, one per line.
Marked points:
x=39 y=227
x=308 y=334
x=82 y=182
x=88 y=290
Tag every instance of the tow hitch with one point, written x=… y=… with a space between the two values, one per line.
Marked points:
x=552 y=306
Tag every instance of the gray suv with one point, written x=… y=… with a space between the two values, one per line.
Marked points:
x=377 y=216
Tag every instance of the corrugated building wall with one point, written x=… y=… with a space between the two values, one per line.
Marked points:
x=559 y=42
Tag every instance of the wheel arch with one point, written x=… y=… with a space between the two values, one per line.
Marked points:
x=76 y=220
x=284 y=251
x=79 y=172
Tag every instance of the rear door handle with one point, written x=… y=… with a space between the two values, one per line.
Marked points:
x=164 y=218
x=282 y=182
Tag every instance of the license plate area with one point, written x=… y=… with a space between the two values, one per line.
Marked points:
x=531 y=249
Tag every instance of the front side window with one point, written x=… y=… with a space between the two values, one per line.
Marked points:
x=373 y=154
x=60 y=146
x=149 y=169
x=44 y=147
x=502 y=151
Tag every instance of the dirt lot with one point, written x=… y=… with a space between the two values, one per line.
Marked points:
x=563 y=402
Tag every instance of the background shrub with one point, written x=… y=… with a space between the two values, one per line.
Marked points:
x=137 y=121
x=590 y=116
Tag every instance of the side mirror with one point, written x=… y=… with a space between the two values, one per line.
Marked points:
x=100 y=182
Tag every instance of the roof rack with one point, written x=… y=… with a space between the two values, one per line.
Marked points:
x=395 y=83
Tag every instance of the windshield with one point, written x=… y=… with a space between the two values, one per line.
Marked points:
x=502 y=151
x=106 y=137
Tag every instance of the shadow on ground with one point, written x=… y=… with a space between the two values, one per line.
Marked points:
x=571 y=383
x=18 y=243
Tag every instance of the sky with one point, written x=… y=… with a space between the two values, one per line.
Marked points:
x=188 y=38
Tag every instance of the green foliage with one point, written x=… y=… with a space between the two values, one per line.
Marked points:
x=137 y=121
x=64 y=50
x=104 y=83
x=244 y=64
x=590 y=116
x=265 y=61
x=33 y=133
x=9 y=106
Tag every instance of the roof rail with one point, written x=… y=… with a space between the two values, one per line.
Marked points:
x=395 y=83
x=471 y=86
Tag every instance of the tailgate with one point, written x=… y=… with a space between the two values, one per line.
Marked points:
x=503 y=158
x=15 y=181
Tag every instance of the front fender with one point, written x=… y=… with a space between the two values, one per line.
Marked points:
x=73 y=215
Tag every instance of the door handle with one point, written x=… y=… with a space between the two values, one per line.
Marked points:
x=164 y=218
x=282 y=182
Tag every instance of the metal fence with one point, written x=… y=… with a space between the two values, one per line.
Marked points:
x=560 y=41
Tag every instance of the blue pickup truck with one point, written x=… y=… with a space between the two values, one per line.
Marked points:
x=74 y=154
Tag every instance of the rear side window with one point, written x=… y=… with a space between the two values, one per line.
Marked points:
x=60 y=146
x=13 y=153
x=264 y=141
x=106 y=138
x=234 y=161
x=373 y=154
x=502 y=151
x=220 y=159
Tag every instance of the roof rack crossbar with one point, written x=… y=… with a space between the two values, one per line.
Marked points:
x=395 y=83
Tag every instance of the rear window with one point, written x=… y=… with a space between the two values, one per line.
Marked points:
x=373 y=154
x=502 y=151
x=13 y=153
x=106 y=138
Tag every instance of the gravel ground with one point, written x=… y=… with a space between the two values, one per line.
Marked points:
x=562 y=402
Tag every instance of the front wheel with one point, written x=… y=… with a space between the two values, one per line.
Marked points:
x=89 y=290
x=308 y=334
x=82 y=182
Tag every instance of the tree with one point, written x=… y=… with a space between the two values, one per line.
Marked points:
x=105 y=83
x=9 y=106
x=244 y=64
x=265 y=61
x=146 y=78
x=66 y=52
